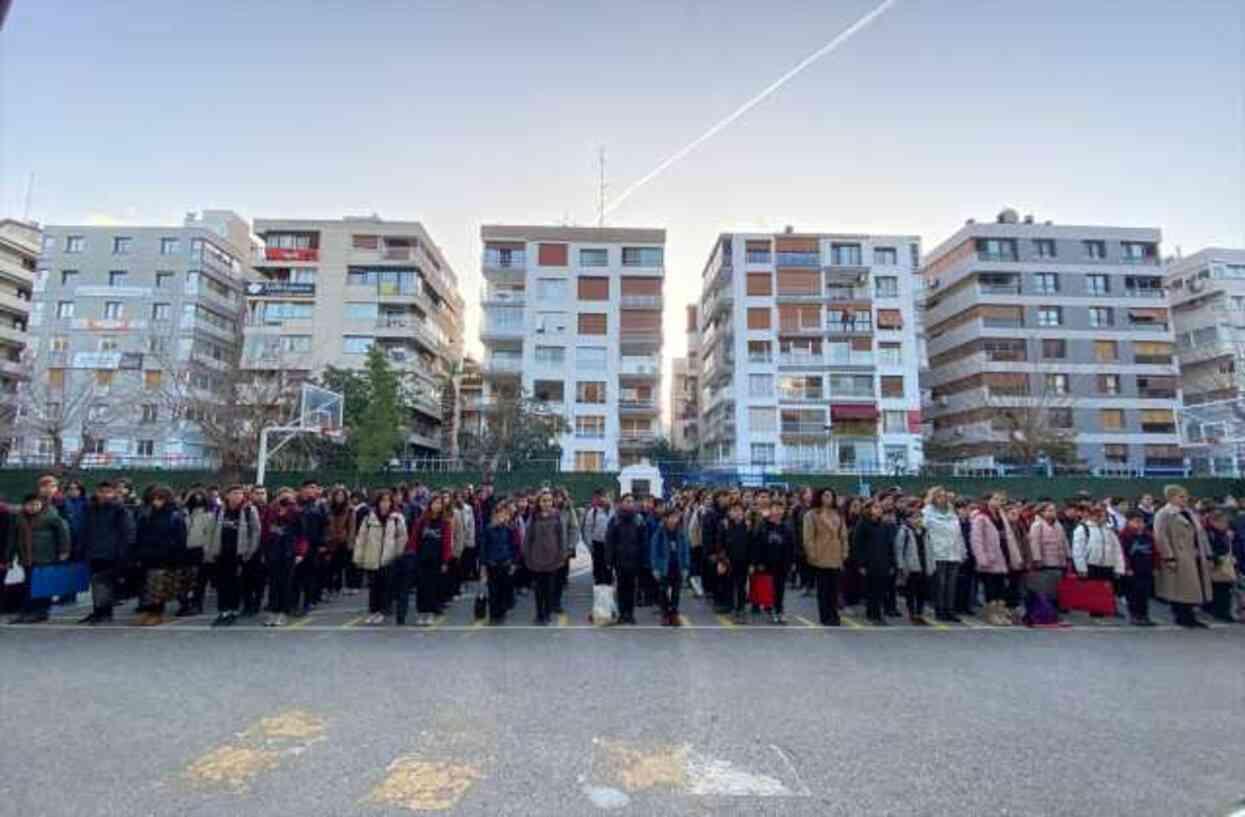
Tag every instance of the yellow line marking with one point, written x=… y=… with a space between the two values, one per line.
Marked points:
x=437 y=621
x=301 y=622
x=480 y=624
x=726 y=622
x=563 y=619
x=686 y=622
x=850 y=622
x=936 y=624
x=804 y=621
x=353 y=622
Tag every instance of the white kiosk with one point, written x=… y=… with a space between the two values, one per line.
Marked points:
x=641 y=480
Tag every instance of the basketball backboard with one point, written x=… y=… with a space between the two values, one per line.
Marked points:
x=320 y=409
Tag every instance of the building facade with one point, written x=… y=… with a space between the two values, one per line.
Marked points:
x=572 y=317
x=20 y=243
x=808 y=352
x=685 y=390
x=324 y=291
x=1033 y=326
x=118 y=313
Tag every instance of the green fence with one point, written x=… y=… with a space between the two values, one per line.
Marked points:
x=1058 y=487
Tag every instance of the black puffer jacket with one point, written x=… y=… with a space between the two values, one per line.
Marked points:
x=107 y=531
x=160 y=537
x=873 y=546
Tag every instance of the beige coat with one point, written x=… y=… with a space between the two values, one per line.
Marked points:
x=1176 y=538
x=376 y=545
x=825 y=539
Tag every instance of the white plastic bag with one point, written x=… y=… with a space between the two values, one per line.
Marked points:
x=604 y=604
x=16 y=575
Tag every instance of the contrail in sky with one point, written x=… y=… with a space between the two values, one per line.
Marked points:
x=747 y=106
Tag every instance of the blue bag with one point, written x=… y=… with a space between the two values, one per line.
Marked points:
x=66 y=578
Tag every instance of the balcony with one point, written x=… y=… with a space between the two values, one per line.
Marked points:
x=646 y=367
x=291 y=254
x=805 y=430
x=640 y=336
x=15 y=303
x=1157 y=394
x=800 y=330
x=502 y=366
x=1131 y=292
x=717 y=303
x=503 y=297
x=1004 y=257
x=636 y=439
x=640 y=301
x=13 y=334
x=13 y=368
x=505 y=260
x=1158 y=428
x=501 y=330
x=849 y=327
x=801 y=297
x=1153 y=360
x=637 y=405
x=800 y=396
x=999 y=289
x=798 y=259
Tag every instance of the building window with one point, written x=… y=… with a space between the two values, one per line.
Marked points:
x=1056 y=384
x=1158 y=421
x=152 y=380
x=121 y=245
x=890 y=354
x=593 y=288
x=164 y=280
x=589 y=461
x=1149 y=286
x=151 y=413
x=1115 y=454
x=590 y=427
x=800 y=387
x=357 y=344
x=886 y=287
x=160 y=312
x=1050 y=316
x=892 y=385
x=170 y=246
x=551 y=255
x=64 y=309
x=759 y=351
x=757 y=252
x=760 y=385
x=1137 y=252
x=590 y=357
x=885 y=256
x=1095 y=250
x=75 y=243
x=1060 y=417
x=551 y=323
x=1046 y=283
x=996 y=249
x=1111 y=419
x=1044 y=247
x=1100 y=316
x=1054 y=349
x=642 y=256
x=108 y=344
x=59 y=343
x=762 y=453
x=112 y=310
x=759 y=317
x=592 y=391
x=69 y=277
x=762 y=419
x=1106 y=351
x=845 y=255
x=594 y=258
x=759 y=284
x=591 y=323
x=300 y=344
x=551 y=289
x=56 y=378
x=117 y=277
x=1097 y=284
x=1109 y=384
x=895 y=422
x=551 y=355
x=146 y=448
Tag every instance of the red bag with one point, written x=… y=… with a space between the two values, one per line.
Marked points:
x=1088 y=595
x=761 y=590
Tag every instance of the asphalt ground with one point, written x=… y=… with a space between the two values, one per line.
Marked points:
x=333 y=717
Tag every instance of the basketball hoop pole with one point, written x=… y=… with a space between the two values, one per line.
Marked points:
x=261 y=469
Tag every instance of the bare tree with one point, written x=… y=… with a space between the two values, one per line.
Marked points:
x=519 y=430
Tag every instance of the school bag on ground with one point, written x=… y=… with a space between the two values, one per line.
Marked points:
x=604 y=604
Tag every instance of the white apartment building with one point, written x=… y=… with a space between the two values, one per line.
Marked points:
x=572 y=317
x=809 y=355
x=685 y=390
x=19 y=253
x=326 y=290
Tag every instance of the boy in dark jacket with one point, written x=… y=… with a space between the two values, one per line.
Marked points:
x=873 y=548
x=497 y=554
x=159 y=546
x=670 y=558
x=1137 y=542
x=735 y=548
x=626 y=547
x=107 y=535
x=773 y=551
x=284 y=547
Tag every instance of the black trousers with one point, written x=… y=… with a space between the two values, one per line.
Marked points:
x=560 y=579
x=254 y=577
x=498 y=591
x=280 y=584
x=428 y=587
x=542 y=584
x=303 y=585
x=945 y=577
x=916 y=593
x=354 y=575
x=876 y=584
x=670 y=588
x=228 y=589
x=739 y=581
x=1221 y=601
x=995 y=585
x=601 y=572
x=1015 y=588
x=892 y=598
x=470 y=564
x=696 y=566
x=399 y=580
x=827 y=582
x=378 y=589
x=1141 y=587
x=966 y=587
x=103 y=585
x=626 y=594
x=780 y=573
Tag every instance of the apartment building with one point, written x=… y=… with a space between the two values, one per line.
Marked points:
x=117 y=313
x=470 y=399
x=19 y=253
x=685 y=390
x=1037 y=325
x=808 y=350
x=572 y=317
x=324 y=291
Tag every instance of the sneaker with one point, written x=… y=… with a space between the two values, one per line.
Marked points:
x=221 y=620
x=778 y=619
x=280 y=621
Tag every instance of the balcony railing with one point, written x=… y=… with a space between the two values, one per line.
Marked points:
x=498 y=259
x=640 y=366
x=503 y=297
x=983 y=255
x=757 y=257
x=1158 y=394
x=806 y=429
x=849 y=327
x=502 y=365
x=640 y=301
x=291 y=254
x=637 y=437
x=589 y=434
x=999 y=289
x=801 y=396
x=637 y=404
x=1158 y=428
x=1143 y=293
x=849 y=294
x=1003 y=323
x=1154 y=360
x=798 y=259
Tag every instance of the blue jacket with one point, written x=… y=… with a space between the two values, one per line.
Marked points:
x=659 y=550
x=497 y=546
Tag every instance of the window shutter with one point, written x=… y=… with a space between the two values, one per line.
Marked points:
x=796 y=245
x=632 y=285
x=592 y=323
x=759 y=318
x=552 y=255
x=799 y=282
x=890 y=319
x=760 y=283
x=640 y=320
x=593 y=288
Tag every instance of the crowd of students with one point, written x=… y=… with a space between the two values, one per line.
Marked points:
x=740 y=549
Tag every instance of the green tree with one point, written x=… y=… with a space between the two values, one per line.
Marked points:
x=662 y=452
x=519 y=430
x=449 y=409
x=380 y=430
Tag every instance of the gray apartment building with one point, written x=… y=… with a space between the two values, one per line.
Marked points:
x=1061 y=326
x=119 y=311
x=19 y=252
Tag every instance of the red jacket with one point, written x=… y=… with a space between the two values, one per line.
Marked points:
x=447 y=536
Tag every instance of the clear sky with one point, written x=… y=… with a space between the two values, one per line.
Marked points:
x=1125 y=112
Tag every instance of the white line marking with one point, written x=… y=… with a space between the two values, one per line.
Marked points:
x=803 y=790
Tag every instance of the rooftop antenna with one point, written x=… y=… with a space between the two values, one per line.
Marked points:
x=601 y=187
x=30 y=186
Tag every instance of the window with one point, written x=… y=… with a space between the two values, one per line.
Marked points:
x=146 y=448
x=303 y=275
x=1046 y=283
x=356 y=344
x=885 y=256
x=591 y=323
x=159 y=346
x=277 y=312
x=69 y=277
x=591 y=391
x=1095 y=250
x=594 y=258
x=643 y=256
x=1111 y=419
x=1115 y=453
x=1056 y=384
x=56 y=378
x=890 y=354
x=759 y=317
x=1158 y=421
x=164 y=280
x=1044 y=247
x=75 y=243
x=113 y=310
x=551 y=323
x=152 y=380
x=160 y=312
x=894 y=422
x=892 y=385
x=108 y=344
x=299 y=344
x=800 y=387
x=1060 y=417
x=1100 y=316
x=365 y=242
x=1145 y=286
x=1109 y=384
x=1136 y=252
x=762 y=453
x=589 y=460
x=117 y=278
x=59 y=343
x=551 y=289
x=1106 y=351
x=760 y=385
x=1050 y=316
x=851 y=385
x=551 y=355
x=121 y=245
x=594 y=288
x=590 y=357
x=96 y=414
x=996 y=249
x=760 y=283
x=1097 y=284
x=170 y=246
x=590 y=427
x=762 y=419
x=551 y=255
x=64 y=309
x=845 y=255
x=886 y=286
x=1054 y=349
x=890 y=319
x=759 y=351
x=151 y=413
x=757 y=252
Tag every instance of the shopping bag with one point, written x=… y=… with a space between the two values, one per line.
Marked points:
x=604 y=604
x=49 y=581
x=761 y=590
x=16 y=575
x=1086 y=595
x=481 y=607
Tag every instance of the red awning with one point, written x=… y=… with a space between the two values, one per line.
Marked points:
x=853 y=411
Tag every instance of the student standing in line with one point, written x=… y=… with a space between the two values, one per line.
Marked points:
x=825 y=545
x=379 y=543
x=544 y=552
x=497 y=555
x=431 y=543
x=670 y=558
x=625 y=548
x=774 y=553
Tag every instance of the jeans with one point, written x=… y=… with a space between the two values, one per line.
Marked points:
x=945 y=577
x=827 y=579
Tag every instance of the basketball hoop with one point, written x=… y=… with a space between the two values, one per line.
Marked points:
x=319 y=412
